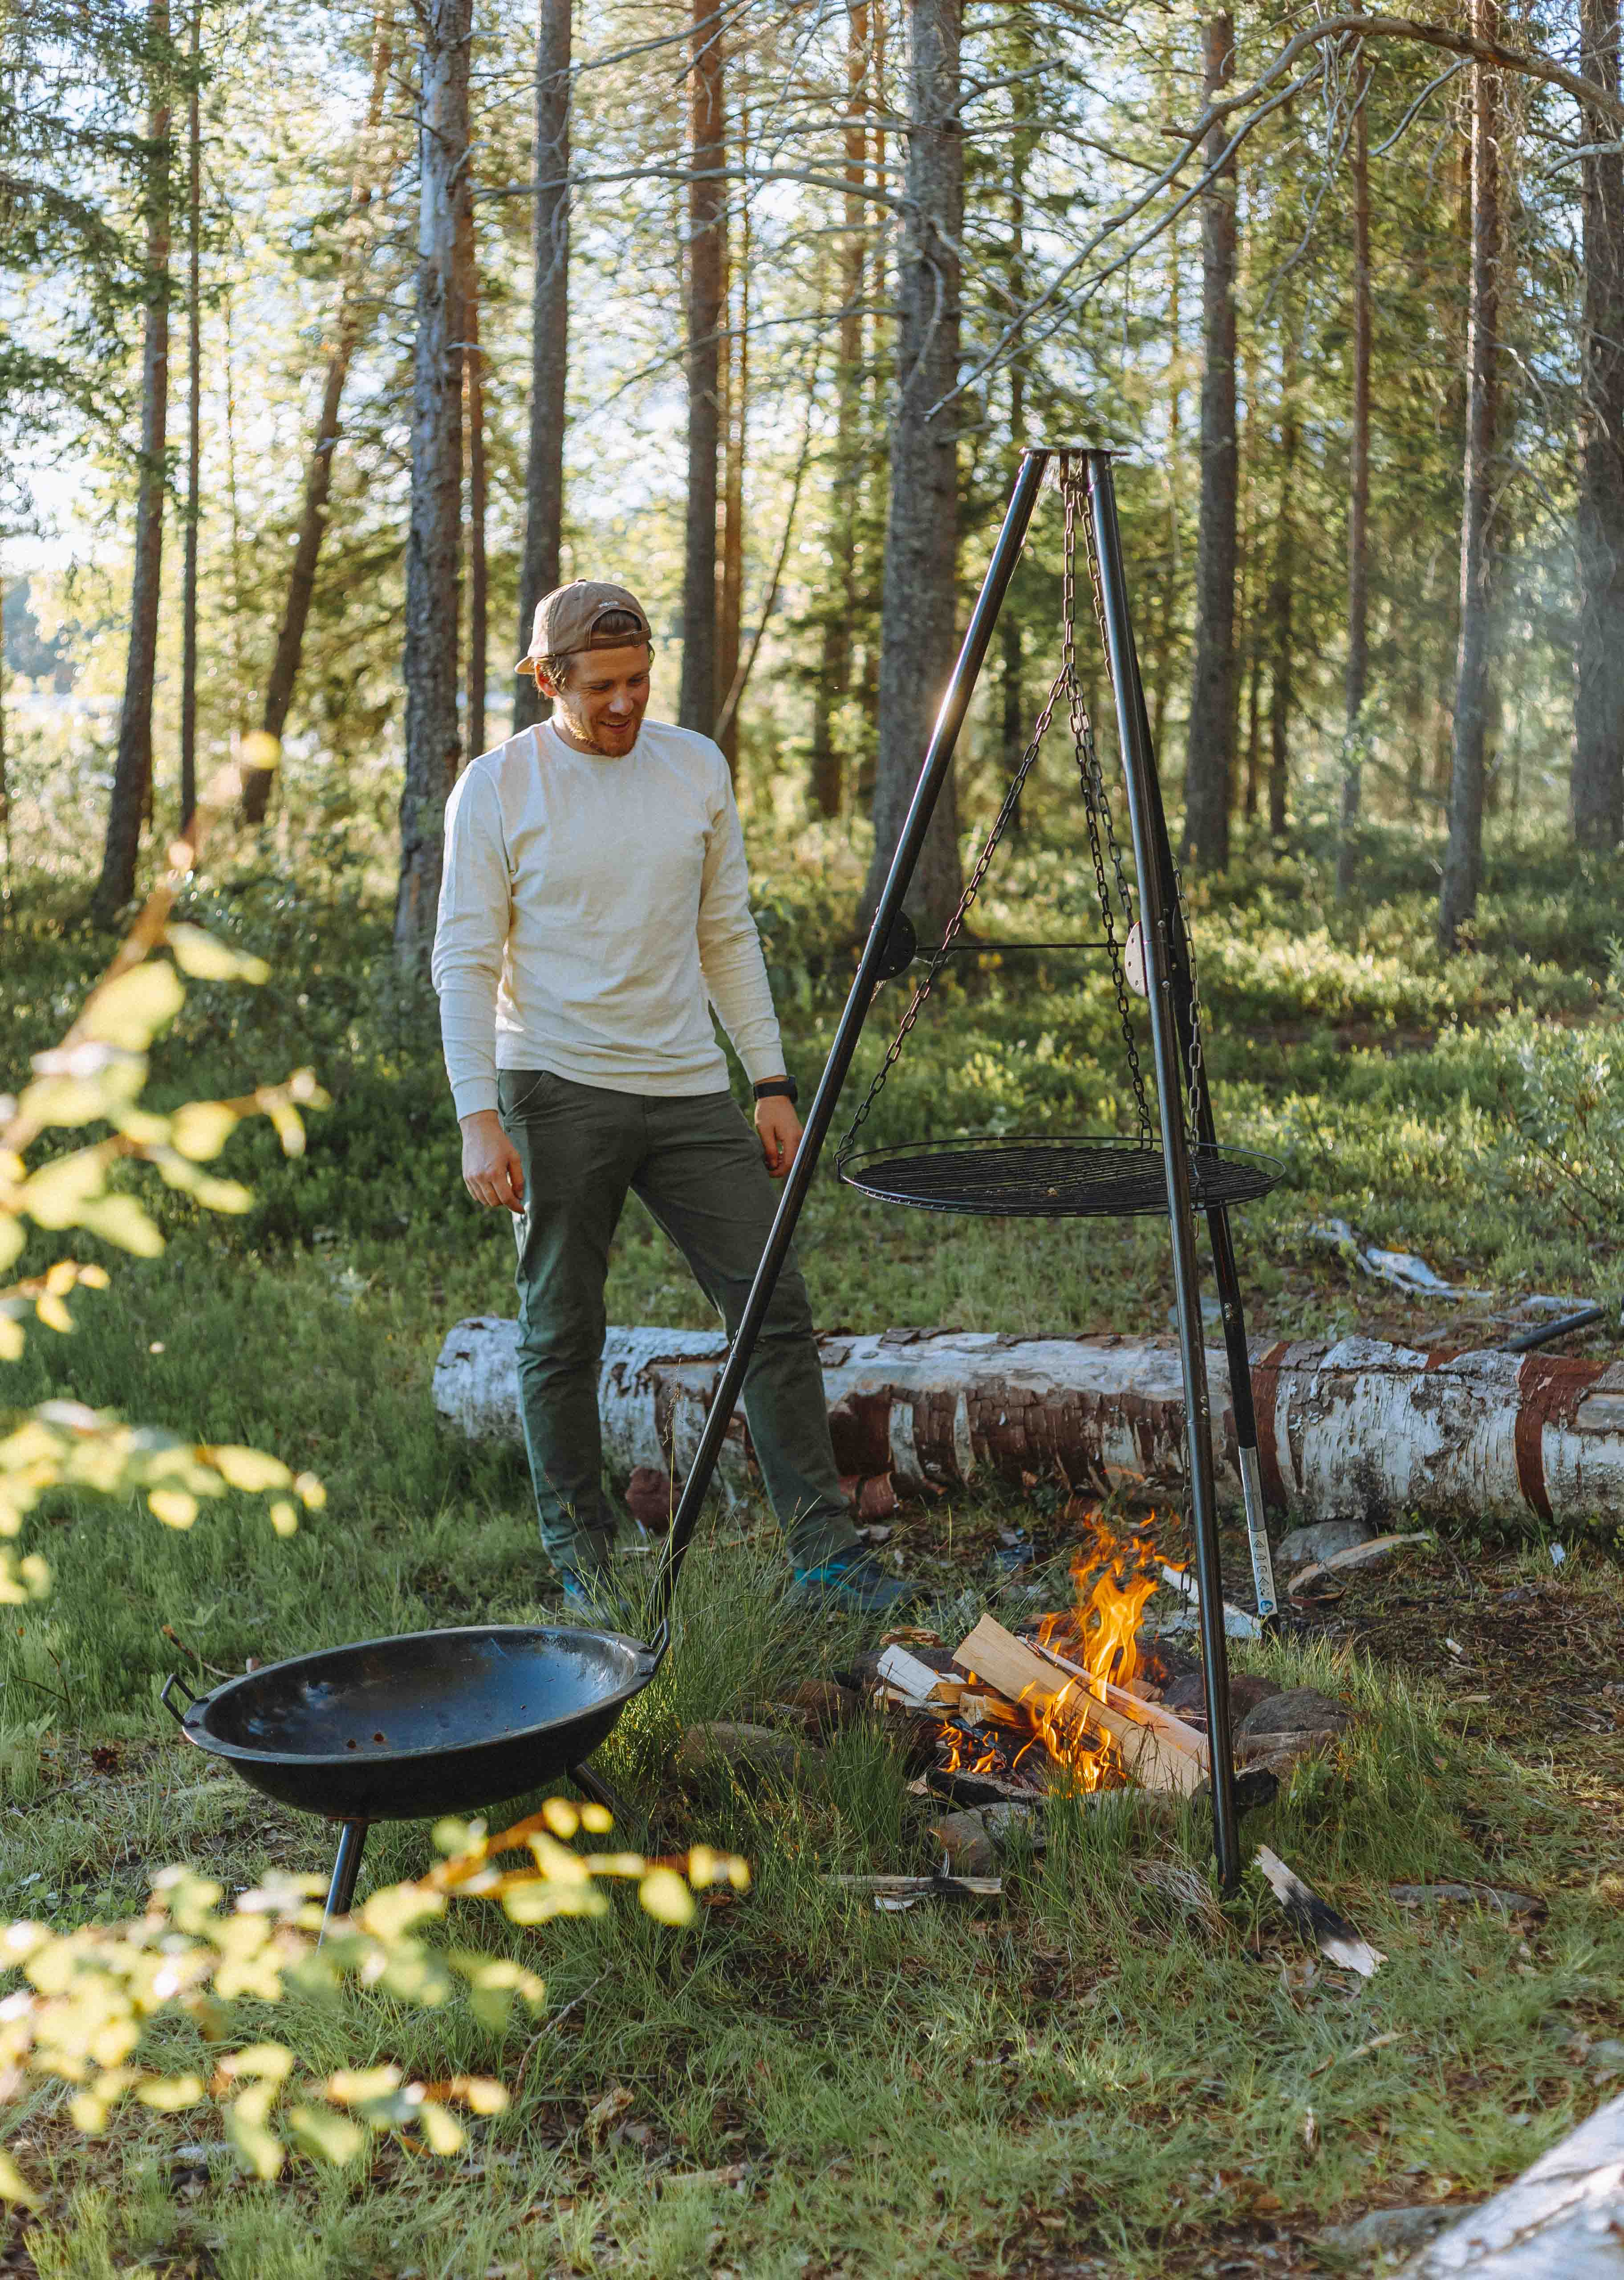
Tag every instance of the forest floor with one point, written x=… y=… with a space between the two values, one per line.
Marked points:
x=1085 y=2080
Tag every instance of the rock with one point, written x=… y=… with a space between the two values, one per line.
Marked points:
x=967 y=1841
x=1393 y=2230
x=749 y=1753
x=1323 y=1542
x=1300 y=1710
x=828 y=1705
x=1187 y=1699
x=1605 y=2059
x=1008 y=1822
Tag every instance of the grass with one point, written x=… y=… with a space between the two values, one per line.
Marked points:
x=1088 y=2080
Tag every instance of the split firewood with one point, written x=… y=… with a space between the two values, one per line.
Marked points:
x=895 y=1888
x=1333 y=1935
x=913 y=1682
x=1131 y=1703
x=1358 y=1555
x=1154 y=1760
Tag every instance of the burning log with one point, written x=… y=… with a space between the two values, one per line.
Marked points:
x=1153 y=1757
x=1357 y=1427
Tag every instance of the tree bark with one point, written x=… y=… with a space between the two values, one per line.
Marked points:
x=1022 y=105
x=835 y=665
x=1463 y=858
x=707 y=243
x=435 y=535
x=1208 y=758
x=1358 y=495
x=1598 y=782
x=1282 y=578
x=1356 y=1427
x=919 y=606
x=132 y=779
x=736 y=399
x=540 y=571
x=194 y=427
x=473 y=414
x=318 y=470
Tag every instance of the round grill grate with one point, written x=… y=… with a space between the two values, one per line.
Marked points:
x=1023 y=1176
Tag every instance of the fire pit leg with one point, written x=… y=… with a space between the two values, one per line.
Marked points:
x=341 y=1891
x=600 y=1793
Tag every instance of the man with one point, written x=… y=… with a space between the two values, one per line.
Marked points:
x=594 y=906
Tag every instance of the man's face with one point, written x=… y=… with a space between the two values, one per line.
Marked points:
x=603 y=698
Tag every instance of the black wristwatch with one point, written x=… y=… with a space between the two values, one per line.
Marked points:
x=778 y=1088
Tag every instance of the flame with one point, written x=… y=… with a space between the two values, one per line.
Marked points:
x=1113 y=1579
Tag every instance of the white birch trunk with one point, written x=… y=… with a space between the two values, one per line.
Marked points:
x=1358 y=1428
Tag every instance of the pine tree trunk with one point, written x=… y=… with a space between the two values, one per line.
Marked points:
x=194 y=428
x=132 y=779
x=1208 y=758
x=318 y=470
x=435 y=535
x=918 y=605
x=541 y=570
x=1463 y=857
x=707 y=247
x=730 y=583
x=1282 y=578
x=1598 y=794
x=834 y=665
x=473 y=414
x=1358 y=494
x=1022 y=105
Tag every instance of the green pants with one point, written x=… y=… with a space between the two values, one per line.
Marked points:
x=698 y=1166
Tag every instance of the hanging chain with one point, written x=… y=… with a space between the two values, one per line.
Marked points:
x=955 y=925
x=1095 y=806
x=1106 y=851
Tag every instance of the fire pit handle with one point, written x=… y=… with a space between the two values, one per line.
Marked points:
x=174 y=1680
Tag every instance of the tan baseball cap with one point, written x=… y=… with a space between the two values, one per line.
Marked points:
x=567 y=620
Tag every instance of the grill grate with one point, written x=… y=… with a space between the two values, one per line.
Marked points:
x=1071 y=1177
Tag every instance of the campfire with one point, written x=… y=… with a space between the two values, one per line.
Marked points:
x=1073 y=1705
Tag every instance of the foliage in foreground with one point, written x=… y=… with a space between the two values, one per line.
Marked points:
x=97 y=1998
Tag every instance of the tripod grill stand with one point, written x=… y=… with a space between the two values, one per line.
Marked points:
x=1063 y=1178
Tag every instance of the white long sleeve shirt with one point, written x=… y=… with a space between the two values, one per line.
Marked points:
x=592 y=910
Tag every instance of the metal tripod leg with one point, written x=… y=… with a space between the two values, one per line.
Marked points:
x=1152 y=858
x=346 y=1868
x=1225 y=1272
x=600 y=1793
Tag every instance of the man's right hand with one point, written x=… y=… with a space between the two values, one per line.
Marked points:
x=491 y=1171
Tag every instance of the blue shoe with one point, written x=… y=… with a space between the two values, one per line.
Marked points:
x=597 y=1597
x=852 y=1580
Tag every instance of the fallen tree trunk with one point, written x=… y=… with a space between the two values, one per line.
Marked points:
x=1357 y=1427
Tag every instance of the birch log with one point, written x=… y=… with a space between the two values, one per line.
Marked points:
x=1355 y=1428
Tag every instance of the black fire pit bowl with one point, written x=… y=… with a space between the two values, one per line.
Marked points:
x=436 y=1722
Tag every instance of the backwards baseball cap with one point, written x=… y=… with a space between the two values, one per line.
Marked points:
x=568 y=619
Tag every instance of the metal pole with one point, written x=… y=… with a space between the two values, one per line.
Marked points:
x=1138 y=769
x=871 y=971
x=1226 y=1274
x=346 y=1868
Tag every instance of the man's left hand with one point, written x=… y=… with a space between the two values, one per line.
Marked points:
x=778 y=1128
